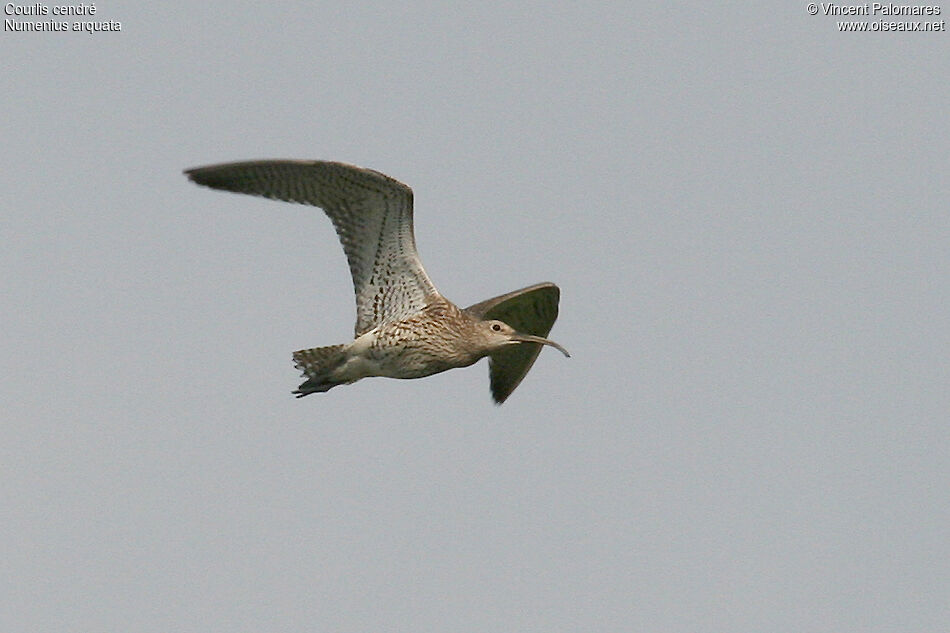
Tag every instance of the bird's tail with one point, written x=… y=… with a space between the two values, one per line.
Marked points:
x=318 y=365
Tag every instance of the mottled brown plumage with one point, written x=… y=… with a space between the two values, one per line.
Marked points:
x=404 y=327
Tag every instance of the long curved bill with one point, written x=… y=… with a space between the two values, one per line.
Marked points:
x=530 y=338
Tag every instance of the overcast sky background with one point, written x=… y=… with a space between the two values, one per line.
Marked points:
x=746 y=212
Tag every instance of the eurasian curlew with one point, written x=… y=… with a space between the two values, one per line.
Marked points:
x=404 y=327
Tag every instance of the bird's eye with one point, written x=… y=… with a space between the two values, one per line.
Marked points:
x=496 y=327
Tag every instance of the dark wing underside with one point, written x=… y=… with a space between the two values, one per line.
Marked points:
x=531 y=310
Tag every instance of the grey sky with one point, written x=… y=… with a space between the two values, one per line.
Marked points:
x=746 y=212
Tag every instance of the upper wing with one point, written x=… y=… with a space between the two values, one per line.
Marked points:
x=531 y=310
x=372 y=214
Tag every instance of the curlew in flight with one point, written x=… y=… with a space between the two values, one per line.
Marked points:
x=404 y=327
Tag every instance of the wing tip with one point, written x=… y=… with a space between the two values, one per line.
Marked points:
x=499 y=398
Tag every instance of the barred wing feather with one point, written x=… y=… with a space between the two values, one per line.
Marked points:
x=372 y=215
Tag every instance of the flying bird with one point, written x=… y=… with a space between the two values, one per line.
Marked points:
x=405 y=328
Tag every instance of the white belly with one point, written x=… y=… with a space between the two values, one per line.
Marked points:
x=359 y=363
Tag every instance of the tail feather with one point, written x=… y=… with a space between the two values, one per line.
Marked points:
x=318 y=365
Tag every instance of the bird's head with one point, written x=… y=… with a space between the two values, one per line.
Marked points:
x=498 y=334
